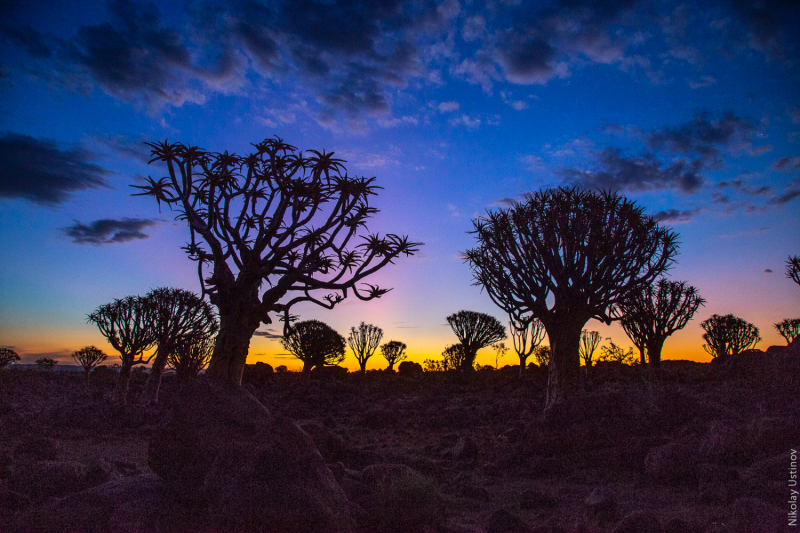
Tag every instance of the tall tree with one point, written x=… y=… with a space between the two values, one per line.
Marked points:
x=655 y=312
x=589 y=342
x=176 y=316
x=793 y=268
x=393 y=352
x=727 y=336
x=789 y=329
x=88 y=358
x=315 y=343
x=364 y=341
x=566 y=256
x=475 y=331
x=527 y=333
x=127 y=325
x=278 y=226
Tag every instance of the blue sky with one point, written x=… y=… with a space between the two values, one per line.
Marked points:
x=457 y=107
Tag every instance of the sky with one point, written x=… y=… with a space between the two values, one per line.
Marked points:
x=457 y=107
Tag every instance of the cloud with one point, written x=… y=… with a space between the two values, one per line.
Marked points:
x=787 y=163
x=705 y=81
x=637 y=174
x=702 y=136
x=790 y=193
x=466 y=120
x=676 y=216
x=126 y=146
x=768 y=271
x=38 y=171
x=109 y=231
x=794 y=114
x=453 y=210
x=446 y=107
x=269 y=334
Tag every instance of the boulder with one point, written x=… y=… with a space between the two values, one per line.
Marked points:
x=258 y=374
x=672 y=464
x=638 y=522
x=466 y=449
x=502 y=521
x=601 y=506
x=45 y=479
x=408 y=368
x=534 y=500
x=330 y=445
x=725 y=444
x=753 y=514
x=37 y=449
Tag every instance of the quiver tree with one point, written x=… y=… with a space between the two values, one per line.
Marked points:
x=727 y=336
x=793 y=268
x=617 y=354
x=272 y=228
x=189 y=356
x=393 y=352
x=176 y=317
x=789 y=329
x=45 y=364
x=315 y=343
x=654 y=312
x=475 y=331
x=7 y=357
x=527 y=333
x=364 y=341
x=454 y=357
x=127 y=325
x=88 y=358
x=589 y=342
x=566 y=256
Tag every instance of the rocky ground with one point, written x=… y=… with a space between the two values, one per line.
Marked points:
x=698 y=448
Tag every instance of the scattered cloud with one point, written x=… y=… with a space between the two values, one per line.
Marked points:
x=109 y=231
x=446 y=107
x=705 y=81
x=466 y=120
x=794 y=114
x=676 y=216
x=787 y=163
x=768 y=271
x=453 y=210
x=790 y=193
x=39 y=171
x=269 y=334
x=702 y=136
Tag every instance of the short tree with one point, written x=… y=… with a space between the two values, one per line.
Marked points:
x=45 y=364
x=177 y=317
x=475 y=331
x=273 y=219
x=654 y=312
x=189 y=356
x=617 y=354
x=364 y=341
x=566 y=256
x=455 y=357
x=127 y=325
x=542 y=355
x=789 y=329
x=315 y=343
x=393 y=352
x=500 y=350
x=589 y=342
x=526 y=333
x=88 y=358
x=793 y=268
x=7 y=357
x=727 y=336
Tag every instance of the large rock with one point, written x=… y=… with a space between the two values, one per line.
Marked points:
x=45 y=479
x=330 y=445
x=672 y=464
x=725 y=444
x=254 y=471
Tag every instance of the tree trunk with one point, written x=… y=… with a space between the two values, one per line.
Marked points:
x=150 y=392
x=654 y=352
x=642 y=357
x=468 y=364
x=121 y=390
x=522 y=368
x=237 y=324
x=363 y=365
x=564 y=376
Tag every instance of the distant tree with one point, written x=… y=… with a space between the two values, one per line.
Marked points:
x=364 y=341
x=455 y=357
x=617 y=354
x=542 y=354
x=7 y=357
x=789 y=329
x=273 y=219
x=394 y=352
x=179 y=319
x=655 y=312
x=280 y=369
x=127 y=324
x=436 y=365
x=589 y=342
x=46 y=364
x=566 y=256
x=793 y=268
x=88 y=358
x=188 y=356
x=526 y=333
x=475 y=331
x=315 y=343
x=500 y=350
x=727 y=336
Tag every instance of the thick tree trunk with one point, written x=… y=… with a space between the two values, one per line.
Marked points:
x=654 y=353
x=522 y=368
x=642 y=357
x=150 y=392
x=121 y=390
x=468 y=365
x=237 y=324
x=564 y=376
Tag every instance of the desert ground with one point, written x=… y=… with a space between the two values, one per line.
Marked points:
x=706 y=448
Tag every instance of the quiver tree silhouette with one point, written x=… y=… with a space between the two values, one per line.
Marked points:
x=617 y=354
x=7 y=357
x=393 y=352
x=189 y=356
x=589 y=342
x=566 y=256
x=176 y=317
x=276 y=219
x=88 y=358
x=45 y=364
x=654 y=312
x=527 y=333
x=475 y=331
x=364 y=341
x=315 y=343
x=727 y=336
x=793 y=268
x=454 y=357
x=127 y=325
x=789 y=329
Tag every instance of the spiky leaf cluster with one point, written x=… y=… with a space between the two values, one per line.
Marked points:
x=394 y=352
x=475 y=331
x=364 y=341
x=789 y=329
x=315 y=343
x=728 y=335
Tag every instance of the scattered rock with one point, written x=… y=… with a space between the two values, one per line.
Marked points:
x=753 y=514
x=466 y=449
x=534 y=499
x=638 y=522
x=673 y=464
x=37 y=449
x=330 y=445
x=502 y=521
x=601 y=506
x=773 y=435
x=725 y=444
x=45 y=479
x=98 y=472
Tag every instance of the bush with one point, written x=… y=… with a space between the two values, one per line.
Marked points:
x=409 y=367
x=46 y=364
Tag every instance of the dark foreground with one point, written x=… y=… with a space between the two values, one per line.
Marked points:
x=700 y=448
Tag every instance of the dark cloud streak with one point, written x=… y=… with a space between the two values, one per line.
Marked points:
x=109 y=231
